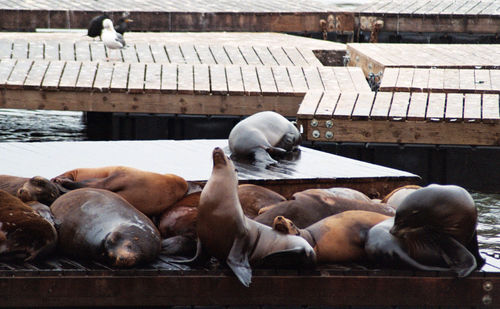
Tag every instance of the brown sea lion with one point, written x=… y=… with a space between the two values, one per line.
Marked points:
x=43 y=210
x=24 y=234
x=225 y=233
x=265 y=136
x=101 y=225
x=310 y=206
x=335 y=239
x=149 y=192
x=30 y=189
x=434 y=229
x=253 y=198
x=396 y=196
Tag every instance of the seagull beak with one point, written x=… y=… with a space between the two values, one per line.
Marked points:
x=128 y=20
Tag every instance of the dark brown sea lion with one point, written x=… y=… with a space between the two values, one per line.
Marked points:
x=101 y=225
x=338 y=238
x=24 y=234
x=253 y=198
x=149 y=192
x=225 y=233
x=264 y=135
x=396 y=196
x=30 y=189
x=310 y=206
x=434 y=229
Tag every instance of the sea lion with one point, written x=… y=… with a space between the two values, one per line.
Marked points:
x=396 y=196
x=43 y=210
x=101 y=225
x=310 y=206
x=338 y=238
x=253 y=198
x=149 y=192
x=225 y=233
x=434 y=229
x=30 y=189
x=24 y=234
x=264 y=135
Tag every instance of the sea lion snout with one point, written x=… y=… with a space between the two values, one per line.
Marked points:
x=219 y=156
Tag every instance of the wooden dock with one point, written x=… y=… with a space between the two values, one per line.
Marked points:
x=192 y=161
x=401 y=117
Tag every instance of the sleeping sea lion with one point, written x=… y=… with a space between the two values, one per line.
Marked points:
x=310 y=206
x=225 y=233
x=149 y=192
x=30 y=189
x=101 y=225
x=24 y=234
x=396 y=196
x=253 y=198
x=338 y=238
x=434 y=229
x=264 y=135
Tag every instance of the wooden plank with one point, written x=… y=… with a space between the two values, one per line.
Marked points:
x=128 y=54
x=18 y=74
x=169 y=78
x=454 y=107
x=218 y=81
x=327 y=105
x=67 y=51
x=329 y=79
x=491 y=108
x=234 y=79
x=97 y=51
x=420 y=79
x=467 y=82
x=389 y=79
x=86 y=77
x=452 y=80
x=205 y=54
x=189 y=53
x=103 y=76
x=5 y=49
x=345 y=105
x=219 y=54
x=381 y=105
x=51 y=51
x=35 y=50
x=119 y=82
x=279 y=55
x=313 y=78
x=152 y=82
x=36 y=74
x=298 y=80
x=185 y=78
x=405 y=79
x=82 y=51
x=144 y=52
x=363 y=106
x=309 y=56
x=472 y=107
x=249 y=54
x=234 y=55
x=70 y=75
x=358 y=79
x=174 y=54
x=158 y=53
x=202 y=79
x=399 y=106
x=136 y=78
x=436 y=80
x=20 y=49
x=6 y=66
x=435 y=107
x=283 y=83
x=250 y=80
x=495 y=80
x=418 y=106
x=482 y=80
x=266 y=80
x=295 y=56
x=309 y=104
x=264 y=55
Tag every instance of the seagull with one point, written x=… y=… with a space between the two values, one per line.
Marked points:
x=95 y=26
x=111 y=38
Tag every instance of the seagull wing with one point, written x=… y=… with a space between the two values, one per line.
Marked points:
x=119 y=38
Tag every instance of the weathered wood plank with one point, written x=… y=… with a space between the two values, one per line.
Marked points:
x=205 y=54
x=420 y=80
x=283 y=83
x=264 y=55
x=491 y=108
x=436 y=80
x=381 y=105
x=344 y=79
x=389 y=79
x=329 y=79
x=250 y=56
x=327 y=105
x=189 y=53
x=405 y=79
x=82 y=51
x=345 y=105
x=472 y=107
x=467 y=82
x=309 y=104
x=363 y=105
x=97 y=51
x=250 y=80
x=218 y=80
x=399 y=106
x=358 y=79
x=158 y=53
x=103 y=76
x=86 y=77
x=185 y=79
x=234 y=55
x=51 y=50
x=70 y=75
x=279 y=55
x=174 y=54
x=418 y=106
x=67 y=51
x=5 y=49
x=152 y=82
x=219 y=54
x=18 y=74
x=295 y=56
x=169 y=78
x=452 y=80
x=313 y=78
x=35 y=50
x=128 y=54
x=298 y=80
x=201 y=79
x=454 y=107
x=119 y=82
x=482 y=80
x=20 y=49
x=266 y=79
x=35 y=75
x=144 y=52
x=435 y=107
x=234 y=80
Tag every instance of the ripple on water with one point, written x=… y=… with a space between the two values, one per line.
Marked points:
x=488 y=228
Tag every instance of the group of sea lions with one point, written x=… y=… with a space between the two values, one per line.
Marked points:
x=123 y=217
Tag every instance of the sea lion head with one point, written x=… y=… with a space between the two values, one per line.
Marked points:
x=224 y=165
x=38 y=189
x=127 y=246
x=440 y=209
x=285 y=226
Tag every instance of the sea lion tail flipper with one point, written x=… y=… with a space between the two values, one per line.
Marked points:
x=237 y=260
x=403 y=256
x=262 y=156
x=198 y=257
x=457 y=256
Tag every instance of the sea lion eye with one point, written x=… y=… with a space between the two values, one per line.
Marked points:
x=415 y=212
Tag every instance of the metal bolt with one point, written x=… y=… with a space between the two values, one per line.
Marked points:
x=329 y=134
x=329 y=124
x=314 y=123
x=487 y=300
x=488 y=286
x=316 y=134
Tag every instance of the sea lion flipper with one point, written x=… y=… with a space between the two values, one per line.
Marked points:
x=457 y=256
x=262 y=157
x=237 y=260
x=198 y=257
x=288 y=258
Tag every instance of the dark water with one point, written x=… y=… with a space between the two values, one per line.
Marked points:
x=43 y=126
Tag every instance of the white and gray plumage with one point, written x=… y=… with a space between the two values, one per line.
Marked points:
x=110 y=37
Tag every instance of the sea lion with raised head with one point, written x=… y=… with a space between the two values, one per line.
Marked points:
x=24 y=234
x=101 y=225
x=225 y=233
x=151 y=193
x=434 y=229
x=338 y=238
x=30 y=189
x=265 y=136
